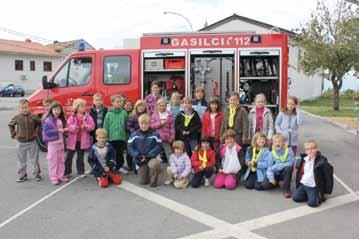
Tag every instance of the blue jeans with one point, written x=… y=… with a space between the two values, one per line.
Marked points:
x=307 y=194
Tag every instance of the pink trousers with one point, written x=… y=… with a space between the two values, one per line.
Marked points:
x=225 y=180
x=56 y=161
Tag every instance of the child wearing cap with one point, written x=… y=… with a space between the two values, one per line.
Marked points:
x=203 y=161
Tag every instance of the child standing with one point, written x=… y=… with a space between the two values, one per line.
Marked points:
x=53 y=129
x=188 y=126
x=282 y=168
x=97 y=112
x=314 y=176
x=211 y=122
x=203 y=161
x=24 y=127
x=128 y=106
x=132 y=120
x=180 y=166
x=229 y=165
x=102 y=160
x=115 y=125
x=46 y=103
x=260 y=118
x=175 y=105
x=258 y=160
x=236 y=118
x=153 y=97
x=288 y=121
x=79 y=126
x=144 y=145
x=199 y=104
x=162 y=122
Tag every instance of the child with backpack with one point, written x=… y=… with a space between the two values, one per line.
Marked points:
x=314 y=176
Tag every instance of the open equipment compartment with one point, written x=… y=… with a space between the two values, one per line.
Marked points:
x=259 y=72
x=167 y=68
x=214 y=71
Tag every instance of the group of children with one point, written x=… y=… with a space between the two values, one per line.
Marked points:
x=196 y=138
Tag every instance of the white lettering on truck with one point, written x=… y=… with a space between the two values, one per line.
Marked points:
x=210 y=41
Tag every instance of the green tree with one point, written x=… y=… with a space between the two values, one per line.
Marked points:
x=330 y=40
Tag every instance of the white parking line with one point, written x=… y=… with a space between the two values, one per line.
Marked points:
x=189 y=212
x=275 y=218
x=7 y=221
x=343 y=184
x=223 y=229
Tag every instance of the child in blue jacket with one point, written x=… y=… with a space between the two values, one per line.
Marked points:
x=144 y=146
x=282 y=168
x=258 y=160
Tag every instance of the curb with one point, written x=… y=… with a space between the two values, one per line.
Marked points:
x=342 y=126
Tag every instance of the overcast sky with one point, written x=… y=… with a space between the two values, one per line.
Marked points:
x=105 y=23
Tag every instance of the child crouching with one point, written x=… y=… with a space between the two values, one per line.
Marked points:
x=229 y=165
x=102 y=160
x=180 y=166
x=282 y=168
x=144 y=146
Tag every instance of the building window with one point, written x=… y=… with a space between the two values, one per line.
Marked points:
x=47 y=66
x=32 y=65
x=19 y=65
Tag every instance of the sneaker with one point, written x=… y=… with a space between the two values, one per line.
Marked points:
x=38 y=177
x=82 y=175
x=64 y=179
x=206 y=182
x=168 y=182
x=22 y=179
x=287 y=194
x=123 y=171
x=55 y=183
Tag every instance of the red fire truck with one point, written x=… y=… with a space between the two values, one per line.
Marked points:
x=219 y=62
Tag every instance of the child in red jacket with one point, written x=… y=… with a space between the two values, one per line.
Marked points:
x=203 y=162
x=211 y=121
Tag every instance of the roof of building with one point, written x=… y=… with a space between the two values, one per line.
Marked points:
x=26 y=47
x=60 y=46
x=245 y=19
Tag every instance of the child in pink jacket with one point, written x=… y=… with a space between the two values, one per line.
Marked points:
x=79 y=125
x=162 y=121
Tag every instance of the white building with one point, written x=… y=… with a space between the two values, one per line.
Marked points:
x=24 y=63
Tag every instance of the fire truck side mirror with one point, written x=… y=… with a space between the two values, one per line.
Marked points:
x=45 y=84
